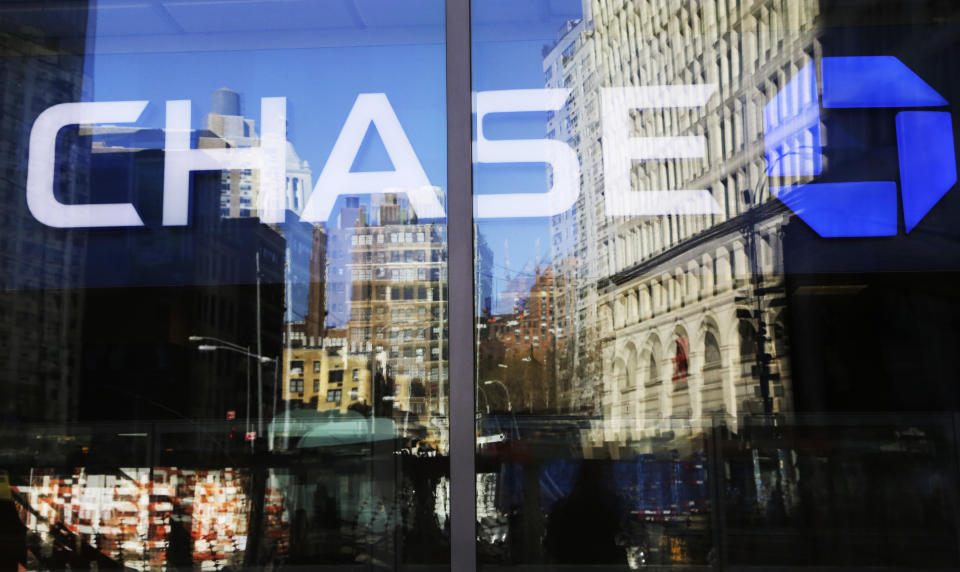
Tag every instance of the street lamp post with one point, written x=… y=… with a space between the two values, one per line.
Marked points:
x=218 y=340
x=749 y=231
x=276 y=392
x=245 y=351
x=486 y=400
x=505 y=391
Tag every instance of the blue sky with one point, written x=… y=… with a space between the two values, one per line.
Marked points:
x=507 y=53
x=320 y=56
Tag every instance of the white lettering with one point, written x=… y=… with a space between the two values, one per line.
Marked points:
x=566 y=169
x=269 y=158
x=407 y=177
x=41 y=164
x=620 y=150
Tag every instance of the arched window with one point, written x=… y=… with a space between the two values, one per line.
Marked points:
x=780 y=336
x=681 y=367
x=681 y=362
x=619 y=375
x=653 y=372
x=748 y=340
x=711 y=359
x=652 y=408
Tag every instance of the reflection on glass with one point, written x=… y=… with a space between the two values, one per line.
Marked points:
x=669 y=358
x=201 y=370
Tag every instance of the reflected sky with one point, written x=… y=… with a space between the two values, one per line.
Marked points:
x=320 y=56
x=507 y=53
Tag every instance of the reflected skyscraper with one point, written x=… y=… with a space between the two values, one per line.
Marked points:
x=580 y=242
x=226 y=126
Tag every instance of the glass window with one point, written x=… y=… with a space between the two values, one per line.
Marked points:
x=296 y=367
x=191 y=192
x=714 y=264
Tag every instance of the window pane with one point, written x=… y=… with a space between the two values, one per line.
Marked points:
x=714 y=274
x=196 y=364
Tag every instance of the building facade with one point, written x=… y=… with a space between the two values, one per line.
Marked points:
x=387 y=288
x=675 y=302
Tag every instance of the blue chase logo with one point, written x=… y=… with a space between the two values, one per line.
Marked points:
x=925 y=146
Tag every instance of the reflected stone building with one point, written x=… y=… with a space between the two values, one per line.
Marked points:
x=325 y=376
x=676 y=310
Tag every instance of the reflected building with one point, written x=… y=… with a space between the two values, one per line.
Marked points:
x=226 y=127
x=316 y=317
x=326 y=376
x=529 y=332
x=519 y=349
x=41 y=268
x=373 y=339
x=304 y=264
x=514 y=292
x=579 y=236
x=387 y=288
x=676 y=311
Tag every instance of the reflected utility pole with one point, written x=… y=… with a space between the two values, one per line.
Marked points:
x=749 y=232
x=236 y=348
x=259 y=353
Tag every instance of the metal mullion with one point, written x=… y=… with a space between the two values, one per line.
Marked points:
x=463 y=506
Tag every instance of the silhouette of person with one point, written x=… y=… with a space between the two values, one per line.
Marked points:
x=180 y=544
x=583 y=527
x=13 y=537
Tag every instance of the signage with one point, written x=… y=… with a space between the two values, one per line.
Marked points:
x=792 y=135
x=925 y=146
x=408 y=176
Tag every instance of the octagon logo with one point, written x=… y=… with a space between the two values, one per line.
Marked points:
x=925 y=146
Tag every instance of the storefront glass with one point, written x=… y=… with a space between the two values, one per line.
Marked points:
x=223 y=318
x=715 y=276
x=710 y=321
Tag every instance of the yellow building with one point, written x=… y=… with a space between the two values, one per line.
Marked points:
x=325 y=377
